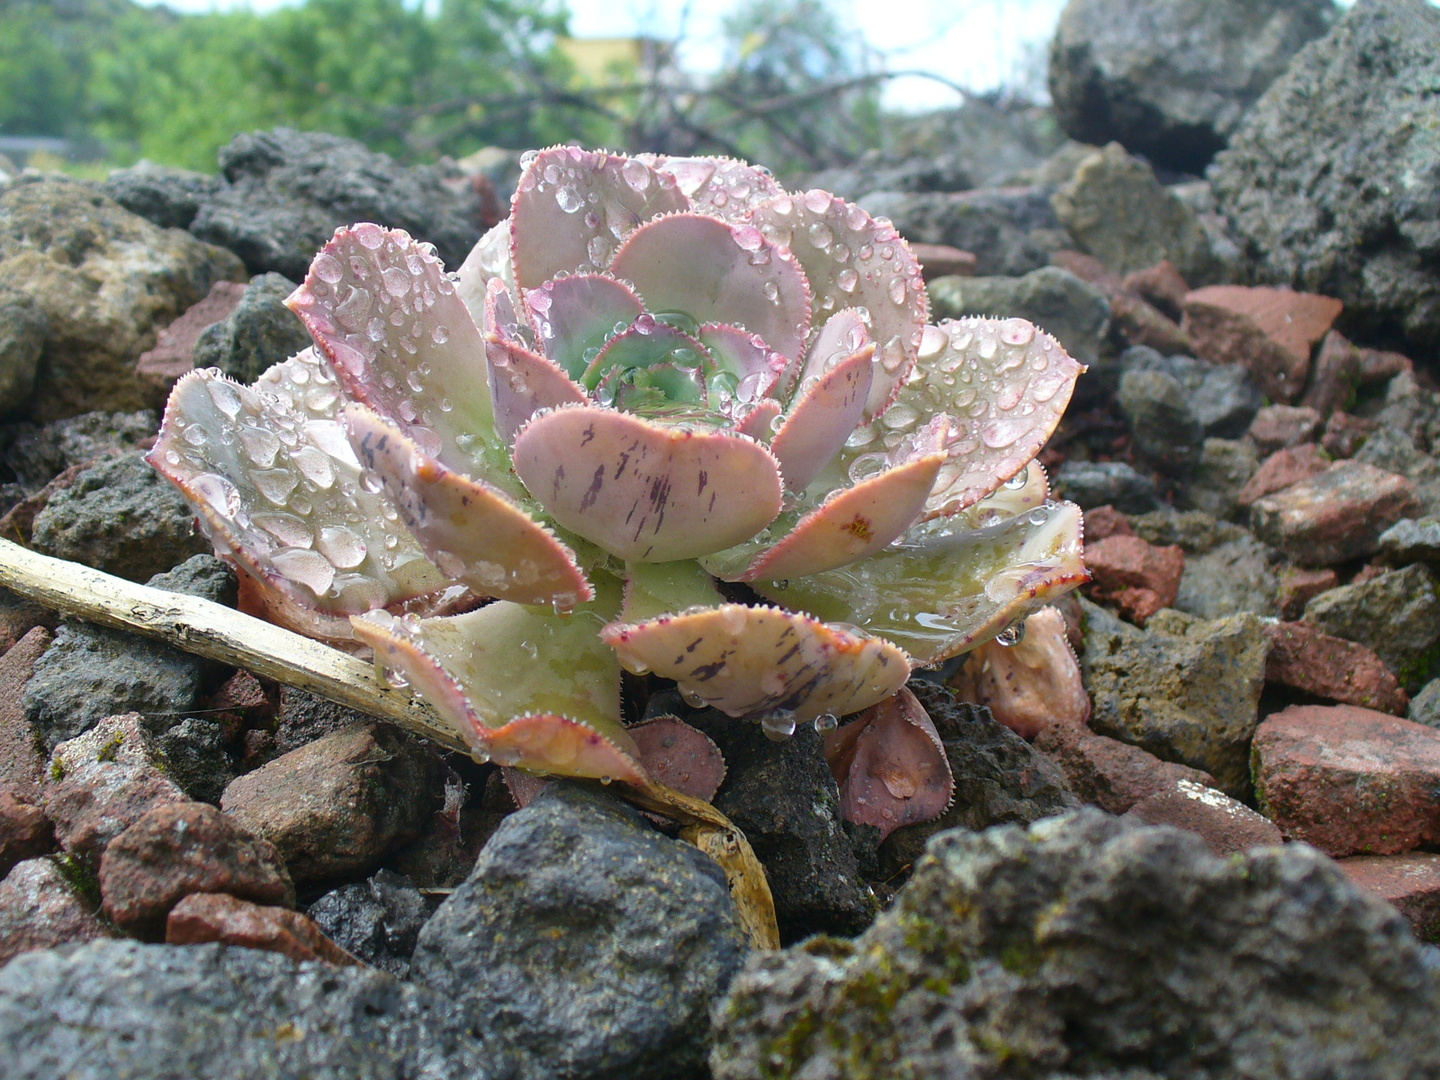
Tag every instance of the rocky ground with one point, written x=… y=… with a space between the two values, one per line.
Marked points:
x=1208 y=847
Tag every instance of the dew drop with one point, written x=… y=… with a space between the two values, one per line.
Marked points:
x=568 y=199
x=635 y=175
x=1012 y=634
x=341 y=546
x=847 y=279
x=306 y=567
x=778 y=726
x=826 y=722
x=327 y=268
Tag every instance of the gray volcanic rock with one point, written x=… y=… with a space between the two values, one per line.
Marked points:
x=120 y=1010
x=1171 y=79
x=1011 y=230
x=1073 y=311
x=288 y=191
x=259 y=333
x=586 y=940
x=1333 y=180
x=1087 y=947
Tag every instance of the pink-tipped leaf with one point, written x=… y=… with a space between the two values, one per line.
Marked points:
x=525 y=689
x=722 y=187
x=575 y=316
x=645 y=490
x=713 y=271
x=473 y=533
x=763 y=662
x=818 y=423
x=572 y=208
x=890 y=765
x=402 y=341
x=523 y=382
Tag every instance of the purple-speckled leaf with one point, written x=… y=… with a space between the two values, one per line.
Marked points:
x=646 y=344
x=852 y=261
x=573 y=207
x=644 y=490
x=278 y=489
x=472 y=532
x=757 y=368
x=1004 y=382
x=890 y=766
x=821 y=419
x=939 y=591
x=722 y=187
x=761 y=661
x=577 y=315
x=522 y=382
x=524 y=688
x=400 y=338
x=859 y=521
x=715 y=272
x=680 y=756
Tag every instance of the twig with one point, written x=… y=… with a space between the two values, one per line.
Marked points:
x=220 y=633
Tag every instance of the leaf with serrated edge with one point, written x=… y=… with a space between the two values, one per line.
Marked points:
x=524 y=688
x=857 y=522
x=645 y=490
x=580 y=313
x=503 y=319
x=758 y=420
x=1005 y=383
x=473 y=532
x=757 y=367
x=938 y=592
x=278 y=489
x=572 y=206
x=680 y=756
x=761 y=661
x=840 y=245
x=715 y=272
x=890 y=766
x=523 y=382
x=401 y=339
x=1024 y=491
x=488 y=260
x=723 y=187
x=823 y=417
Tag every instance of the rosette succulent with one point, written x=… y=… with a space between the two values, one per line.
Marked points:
x=669 y=418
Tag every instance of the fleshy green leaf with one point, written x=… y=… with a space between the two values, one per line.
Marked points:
x=715 y=272
x=653 y=589
x=756 y=368
x=646 y=344
x=401 y=339
x=940 y=591
x=645 y=490
x=761 y=661
x=526 y=688
x=272 y=476
x=473 y=532
x=855 y=261
x=572 y=207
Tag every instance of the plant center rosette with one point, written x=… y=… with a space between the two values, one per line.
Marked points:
x=667 y=417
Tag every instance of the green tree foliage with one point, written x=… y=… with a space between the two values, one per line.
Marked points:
x=176 y=88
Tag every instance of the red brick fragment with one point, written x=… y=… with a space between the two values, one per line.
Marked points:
x=1348 y=780
x=1137 y=577
x=1410 y=882
x=205 y=917
x=1106 y=521
x=1225 y=824
x=160 y=368
x=1303 y=658
x=942 y=260
x=1162 y=286
x=1278 y=426
x=1282 y=469
x=1270 y=331
x=1335 y=515
x=1298 y=586
x=21 y=763
x=1111 y=774
x=25 y=831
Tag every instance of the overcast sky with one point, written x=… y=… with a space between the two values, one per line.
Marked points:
x=978 y=44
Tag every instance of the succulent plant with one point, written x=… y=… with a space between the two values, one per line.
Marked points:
x=667 y=417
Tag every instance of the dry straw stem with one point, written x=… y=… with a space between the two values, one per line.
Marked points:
x=221 y=633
